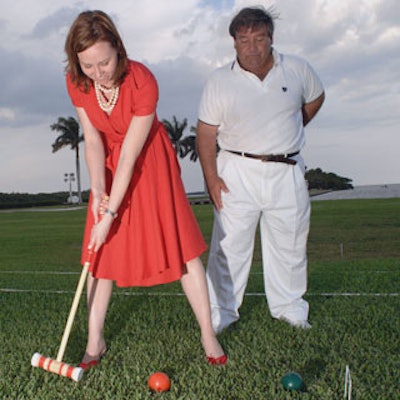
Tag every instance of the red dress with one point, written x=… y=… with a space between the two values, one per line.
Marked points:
x=156 y=232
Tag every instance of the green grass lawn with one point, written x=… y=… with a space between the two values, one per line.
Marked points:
x=354 y=265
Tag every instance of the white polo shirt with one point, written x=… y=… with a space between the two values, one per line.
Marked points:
x=260 y=117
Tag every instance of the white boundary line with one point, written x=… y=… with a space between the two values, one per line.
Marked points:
x=354 y=294
x=383 y=271
x=123 y=293
x=79 y=272
x=348 y=384
x=40 y=272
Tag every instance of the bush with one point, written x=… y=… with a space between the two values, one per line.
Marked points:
x=317 y=179
x=25 y=200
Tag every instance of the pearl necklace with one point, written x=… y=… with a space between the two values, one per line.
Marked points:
x=106 y=106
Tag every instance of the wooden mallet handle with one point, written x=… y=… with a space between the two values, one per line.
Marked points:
x=74 y=307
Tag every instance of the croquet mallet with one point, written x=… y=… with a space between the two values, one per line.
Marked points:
x=57 y=366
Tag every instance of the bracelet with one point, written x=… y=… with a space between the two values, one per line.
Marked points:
x=112 y=213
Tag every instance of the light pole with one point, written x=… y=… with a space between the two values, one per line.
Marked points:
x=69 y=178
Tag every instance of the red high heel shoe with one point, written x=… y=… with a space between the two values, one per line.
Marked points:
x=221 y=360
x=88 y=365
x=93 y=363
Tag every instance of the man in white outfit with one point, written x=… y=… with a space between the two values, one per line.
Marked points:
x=256 y=108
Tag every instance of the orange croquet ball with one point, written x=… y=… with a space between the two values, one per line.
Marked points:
x=159 y=382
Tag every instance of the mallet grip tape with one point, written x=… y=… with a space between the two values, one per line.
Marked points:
x=89 y=256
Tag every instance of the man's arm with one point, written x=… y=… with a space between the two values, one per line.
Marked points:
x=310 y=109
x=207 y=149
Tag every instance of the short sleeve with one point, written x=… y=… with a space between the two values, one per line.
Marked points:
x=313 y=87
x=145 y=90
x=210 y=111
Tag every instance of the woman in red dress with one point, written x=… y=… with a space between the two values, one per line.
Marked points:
x=147 y=234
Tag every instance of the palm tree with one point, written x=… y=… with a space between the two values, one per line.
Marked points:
x=183 y=146
x=70 y=135
x=190 y=145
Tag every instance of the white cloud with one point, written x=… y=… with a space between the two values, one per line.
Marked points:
x=354 y=45
x=7 y=114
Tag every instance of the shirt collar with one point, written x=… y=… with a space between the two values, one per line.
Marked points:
x=235 y=66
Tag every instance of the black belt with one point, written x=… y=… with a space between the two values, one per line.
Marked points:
x=283 y=158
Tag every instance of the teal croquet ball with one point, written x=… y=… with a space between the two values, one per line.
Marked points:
x=293 y=381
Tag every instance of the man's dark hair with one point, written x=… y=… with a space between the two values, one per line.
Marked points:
x=251 y=18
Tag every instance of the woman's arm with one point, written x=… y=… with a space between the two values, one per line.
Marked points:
x=95 y=160
x=132 y=146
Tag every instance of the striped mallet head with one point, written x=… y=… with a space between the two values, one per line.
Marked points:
x=57 y=367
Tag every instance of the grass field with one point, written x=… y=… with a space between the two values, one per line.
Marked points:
x=354 y=265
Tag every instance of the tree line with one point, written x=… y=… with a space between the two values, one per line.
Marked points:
x=320 y=180
x=70 y=135
x=27 y=200
x=184 y=145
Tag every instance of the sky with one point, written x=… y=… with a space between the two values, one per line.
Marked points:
x=354 y=45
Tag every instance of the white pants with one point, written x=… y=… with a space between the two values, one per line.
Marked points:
x=274 y=195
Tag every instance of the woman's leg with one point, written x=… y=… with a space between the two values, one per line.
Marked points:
x=98 y=297
x=194 y=285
